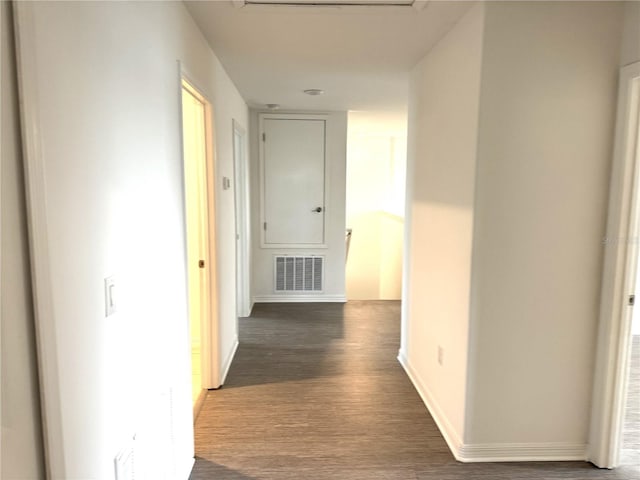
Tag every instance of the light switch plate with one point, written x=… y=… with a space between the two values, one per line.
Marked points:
x=109 y=296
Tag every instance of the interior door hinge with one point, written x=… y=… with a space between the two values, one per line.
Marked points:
x=264 y=137
x=264 y=225
x=632 y=300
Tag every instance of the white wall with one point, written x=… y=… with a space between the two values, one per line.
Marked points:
x=21 y=441
x=108 y=104
x=536 y=90
x=228 y=105
x=208 y=75
x=630 y=51
x=443 y=114
x=546 y=121
x=263 y=288
x=376 y=165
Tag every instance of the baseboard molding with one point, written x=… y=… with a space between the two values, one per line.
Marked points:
x=184 y=472
x=227 y=363
x=300 y=299
x=446 y=429
x=523 y=452
x=491 y=452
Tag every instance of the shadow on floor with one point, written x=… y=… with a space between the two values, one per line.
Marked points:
x=525 y=471
x=207 y=470
x=326 y=319
x=290 y=341
x=284 y=364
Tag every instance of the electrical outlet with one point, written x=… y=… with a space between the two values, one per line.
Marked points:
x=440 y=355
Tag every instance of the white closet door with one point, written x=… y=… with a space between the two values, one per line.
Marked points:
x=294 y=181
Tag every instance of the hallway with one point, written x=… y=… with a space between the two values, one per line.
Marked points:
x=316 y=392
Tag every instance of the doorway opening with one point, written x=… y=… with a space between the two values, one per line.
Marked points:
x=614 y=423
x=243 y=246
x=629 y=454
x=375 y=204
x=200 y=239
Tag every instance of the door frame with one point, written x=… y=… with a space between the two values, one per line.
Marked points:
x=243 y=221
x=2 y=7
x=210 y=334
x=289 y=116
x=618 y=280
x=37 y=220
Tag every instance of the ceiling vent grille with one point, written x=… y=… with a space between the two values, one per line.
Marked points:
x=299 y=274
x=330 y=3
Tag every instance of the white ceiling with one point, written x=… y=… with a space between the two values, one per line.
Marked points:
x=359 y=55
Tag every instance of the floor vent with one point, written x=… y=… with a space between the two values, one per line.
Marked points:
x=299 y=274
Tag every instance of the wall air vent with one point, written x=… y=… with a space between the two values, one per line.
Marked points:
x=298 y=274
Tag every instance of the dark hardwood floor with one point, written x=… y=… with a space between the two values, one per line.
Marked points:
x=316 y=392
x=630 y=454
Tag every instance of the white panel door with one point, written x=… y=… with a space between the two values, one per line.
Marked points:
x=294 y=181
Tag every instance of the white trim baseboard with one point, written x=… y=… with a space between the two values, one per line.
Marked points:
x=185 y=472
x=300 y=299
x=227 y=363
x=446 y=429
x=491 y=452
x=522 y=452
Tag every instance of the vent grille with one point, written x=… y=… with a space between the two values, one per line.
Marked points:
x=299 y=274
x=330 y=3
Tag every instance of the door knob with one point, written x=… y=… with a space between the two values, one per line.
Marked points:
x=317 y=210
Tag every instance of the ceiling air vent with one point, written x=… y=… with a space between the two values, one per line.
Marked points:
x=418 y=4
x=298 y=274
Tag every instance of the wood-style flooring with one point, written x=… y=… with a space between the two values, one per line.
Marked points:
x=630 y=454
x=316 y=392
